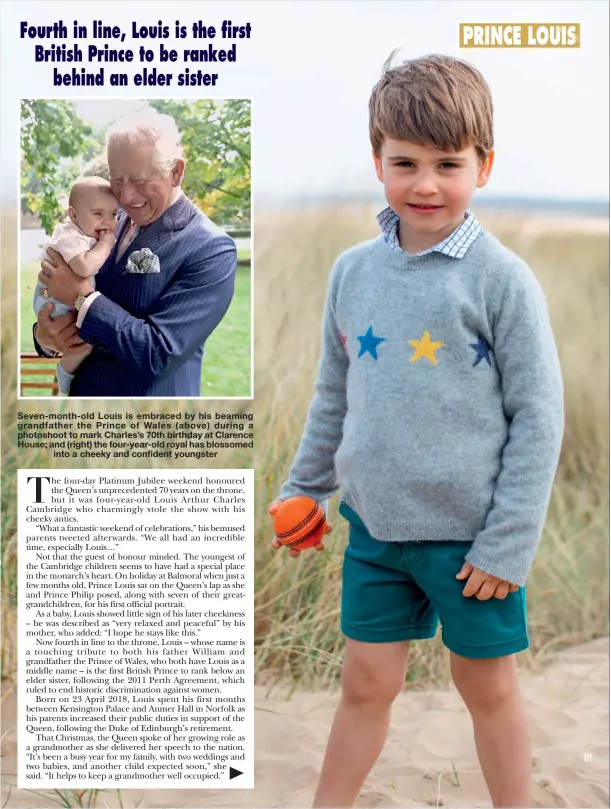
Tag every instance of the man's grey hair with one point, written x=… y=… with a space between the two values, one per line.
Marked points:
x=149 y=126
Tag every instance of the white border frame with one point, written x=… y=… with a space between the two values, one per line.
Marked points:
x=252 y=263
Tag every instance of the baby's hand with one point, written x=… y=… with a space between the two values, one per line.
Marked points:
x=107 y=237
x=273 y=508
x=484 y=585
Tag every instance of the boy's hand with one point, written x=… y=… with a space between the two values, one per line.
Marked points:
x=484 y=585
x=294 y=551
x=107 y=237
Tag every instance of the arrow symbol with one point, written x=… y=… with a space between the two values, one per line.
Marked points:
x=233 y=773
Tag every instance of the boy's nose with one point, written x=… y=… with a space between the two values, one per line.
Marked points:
x=425 y=185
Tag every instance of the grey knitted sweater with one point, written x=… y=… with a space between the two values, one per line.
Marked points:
x=438 y=405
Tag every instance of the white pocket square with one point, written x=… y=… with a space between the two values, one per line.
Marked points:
x=143 y=261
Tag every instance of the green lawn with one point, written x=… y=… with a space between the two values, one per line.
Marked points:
x=226 y=367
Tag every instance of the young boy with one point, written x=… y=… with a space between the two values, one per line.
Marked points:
x=438 y=409
x=84 y=239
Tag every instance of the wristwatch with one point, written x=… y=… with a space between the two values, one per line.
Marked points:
x=81 y=299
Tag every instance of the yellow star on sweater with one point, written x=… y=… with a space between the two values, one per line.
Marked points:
x=425 y=348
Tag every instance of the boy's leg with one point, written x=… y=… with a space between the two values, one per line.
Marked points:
x=372 y=676
x=483 y=637
x=491 y=692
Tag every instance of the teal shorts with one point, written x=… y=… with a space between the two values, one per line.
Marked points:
x=397 y=591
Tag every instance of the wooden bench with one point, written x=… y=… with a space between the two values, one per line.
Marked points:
x=41 y=370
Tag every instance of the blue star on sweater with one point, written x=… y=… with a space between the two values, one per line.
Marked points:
x=369 y=343
x=482 y=350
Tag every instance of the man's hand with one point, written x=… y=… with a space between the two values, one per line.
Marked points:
x=61 y=282
x=483 y=585
x=73 y=357
x=294 y=551
x=59 y=334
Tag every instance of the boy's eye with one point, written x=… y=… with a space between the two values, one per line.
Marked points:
x=405 y=164
x=449 y=165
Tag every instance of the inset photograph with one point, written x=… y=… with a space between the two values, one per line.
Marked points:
x=135 y=248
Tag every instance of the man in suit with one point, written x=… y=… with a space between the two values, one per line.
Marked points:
x=164 y=288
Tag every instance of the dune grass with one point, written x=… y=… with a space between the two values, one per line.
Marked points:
x=297 y=601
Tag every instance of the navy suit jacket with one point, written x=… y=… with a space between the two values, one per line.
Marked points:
x=148 y=329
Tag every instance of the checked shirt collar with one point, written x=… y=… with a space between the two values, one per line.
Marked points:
x=455 y=245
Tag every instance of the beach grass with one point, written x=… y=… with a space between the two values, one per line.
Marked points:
x=297 y=600
x=568 y=589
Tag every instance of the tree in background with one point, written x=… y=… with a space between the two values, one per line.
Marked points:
x=216 y=143
x=50 y=132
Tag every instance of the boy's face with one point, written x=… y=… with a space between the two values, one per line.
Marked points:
x=95 y=211
x=428 y=188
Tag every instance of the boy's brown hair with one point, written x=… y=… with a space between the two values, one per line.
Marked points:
x=435 y=100
x=83 y=184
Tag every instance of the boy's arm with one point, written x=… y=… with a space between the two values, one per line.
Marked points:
x=531 y=381
x=89 y=262
x=313 y=470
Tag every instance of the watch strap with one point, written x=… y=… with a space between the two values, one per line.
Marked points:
x=81 y=299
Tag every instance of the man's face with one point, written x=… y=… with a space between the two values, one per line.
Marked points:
x=144 y=194
x=429 y=189
x=95 y=211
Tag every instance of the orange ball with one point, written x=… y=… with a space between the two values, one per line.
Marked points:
x=300 y=522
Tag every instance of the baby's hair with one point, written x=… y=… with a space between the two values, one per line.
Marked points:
x=82 y=185
x=435 y=100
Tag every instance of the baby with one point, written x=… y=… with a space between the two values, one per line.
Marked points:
x=85 y=240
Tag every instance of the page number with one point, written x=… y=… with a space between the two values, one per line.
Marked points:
x=587 y=757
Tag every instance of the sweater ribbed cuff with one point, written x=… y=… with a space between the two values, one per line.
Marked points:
x=298 y=493
x=509 y=570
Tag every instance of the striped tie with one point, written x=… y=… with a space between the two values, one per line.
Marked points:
x=129 y=237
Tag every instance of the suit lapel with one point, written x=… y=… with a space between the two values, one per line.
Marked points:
x=176 y=217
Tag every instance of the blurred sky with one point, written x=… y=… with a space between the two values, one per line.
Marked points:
x=310 y=66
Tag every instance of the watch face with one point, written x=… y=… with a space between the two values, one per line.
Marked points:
x=81 y=299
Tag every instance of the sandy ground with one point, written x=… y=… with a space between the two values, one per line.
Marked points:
x=429 y=759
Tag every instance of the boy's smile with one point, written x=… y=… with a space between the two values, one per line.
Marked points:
x=95 y=211
x=428 y=188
